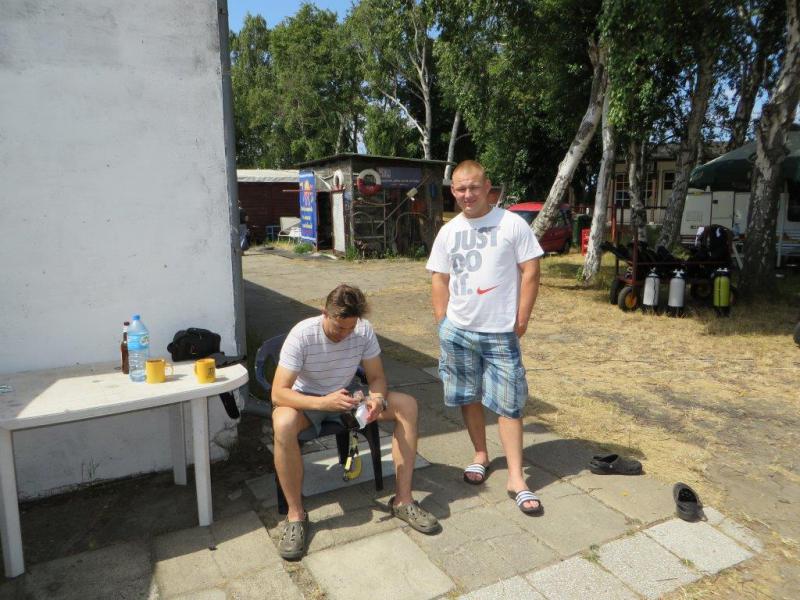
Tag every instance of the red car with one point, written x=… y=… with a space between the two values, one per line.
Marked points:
x=556 y=239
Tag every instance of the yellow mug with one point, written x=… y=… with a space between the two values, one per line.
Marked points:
x=204 y=369
x=155 y=370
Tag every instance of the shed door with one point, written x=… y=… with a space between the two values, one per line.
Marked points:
x=337 y=207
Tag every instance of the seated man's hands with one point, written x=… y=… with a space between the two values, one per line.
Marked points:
x=375 y=407
x=338 y=401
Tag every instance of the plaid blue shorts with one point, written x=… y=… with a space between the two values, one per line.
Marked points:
x=477 y=366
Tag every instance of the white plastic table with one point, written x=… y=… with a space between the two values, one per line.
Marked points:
x=38 y=398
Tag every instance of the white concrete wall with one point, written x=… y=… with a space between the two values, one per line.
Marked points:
x=114 y=200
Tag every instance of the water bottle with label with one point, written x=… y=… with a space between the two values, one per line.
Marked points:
x=138 y=348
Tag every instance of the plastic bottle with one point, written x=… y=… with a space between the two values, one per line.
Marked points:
x=138 y=348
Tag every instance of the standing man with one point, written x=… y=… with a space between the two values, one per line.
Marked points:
x=485 y=266
x=318 y=361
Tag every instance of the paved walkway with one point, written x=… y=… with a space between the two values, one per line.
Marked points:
x=600 y=537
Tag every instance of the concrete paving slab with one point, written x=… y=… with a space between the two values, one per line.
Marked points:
x=708 y=550
x=515 y=587
x=184 y=562
x=732 y=529
x=639 y=497
x=572 y=520
x=452 y=448
x=400 y=375
x=578 y=579
x=477 y=547
x=404 y=573
x=323 y=473
x=214 y=594
x=273 y=583
x=645 y=566
x=242 y=545
x=448 y=494
x=89 y=575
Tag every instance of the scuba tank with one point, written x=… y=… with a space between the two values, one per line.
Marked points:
x=722 y=292
x=651 y=284
x=677 y=294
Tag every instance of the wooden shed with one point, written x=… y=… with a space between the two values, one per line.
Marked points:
x=374 y=204
x=266 y=195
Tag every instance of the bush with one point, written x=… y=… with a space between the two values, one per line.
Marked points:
x=303 y=248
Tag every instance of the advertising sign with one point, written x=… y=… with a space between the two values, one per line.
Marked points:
x=308 y=207
x=400 y=177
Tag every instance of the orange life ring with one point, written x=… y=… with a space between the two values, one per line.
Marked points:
x=368 y=182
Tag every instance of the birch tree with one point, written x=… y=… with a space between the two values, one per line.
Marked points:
x=686 y=158
x=598 y=54
x=758 y=270
x=605 y=179
x=394 y=46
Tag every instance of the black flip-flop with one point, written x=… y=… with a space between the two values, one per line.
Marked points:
x=613 y=464
x=687 y=503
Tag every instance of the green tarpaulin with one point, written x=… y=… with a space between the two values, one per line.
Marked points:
x=732 y=170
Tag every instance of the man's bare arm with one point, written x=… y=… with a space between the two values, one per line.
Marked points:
x=284 y=395
x=529 y=289
x=440 y=294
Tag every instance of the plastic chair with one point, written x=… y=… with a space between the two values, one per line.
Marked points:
x=270 y=351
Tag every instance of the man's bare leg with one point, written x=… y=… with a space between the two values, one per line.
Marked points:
x=511 y=438
x=403 y=411
x=287 y=423
x=475 y=420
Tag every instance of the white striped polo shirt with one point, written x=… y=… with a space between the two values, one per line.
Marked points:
x=323 y=366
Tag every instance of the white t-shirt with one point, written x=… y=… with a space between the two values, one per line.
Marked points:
x=481 y=256
x=324 y=366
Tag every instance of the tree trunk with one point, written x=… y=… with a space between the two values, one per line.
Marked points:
x=605 y=178
x=638 y=212
x=749 y=86
x=758 y=268
x=687 y=153
x=583 y=137
x=451 y=146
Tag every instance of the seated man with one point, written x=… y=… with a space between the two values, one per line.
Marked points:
x=318 y=361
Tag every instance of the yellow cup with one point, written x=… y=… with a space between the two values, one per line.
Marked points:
x=204 y=369
x=155 y=370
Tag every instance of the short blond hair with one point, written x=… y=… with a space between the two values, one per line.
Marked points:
x=469 y=166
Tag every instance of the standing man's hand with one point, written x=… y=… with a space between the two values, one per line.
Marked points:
x=521 y=328
x=440 y=295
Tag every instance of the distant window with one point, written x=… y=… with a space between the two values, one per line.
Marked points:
x=621 y=195
x=669 y=179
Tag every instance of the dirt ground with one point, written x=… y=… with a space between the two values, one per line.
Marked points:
x=708 y=401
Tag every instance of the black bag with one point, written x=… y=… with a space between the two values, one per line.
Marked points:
x=193 y=343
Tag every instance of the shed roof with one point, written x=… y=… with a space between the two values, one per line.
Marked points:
x=353 y=155
x=267 y=175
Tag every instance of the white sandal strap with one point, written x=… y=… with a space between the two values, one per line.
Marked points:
x=476 y=468
x=526 y=496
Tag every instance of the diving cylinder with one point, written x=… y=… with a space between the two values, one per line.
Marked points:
x=677 y=294
x=722 y=292
x=651 y=283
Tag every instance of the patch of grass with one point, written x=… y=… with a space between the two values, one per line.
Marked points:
x=303 y=248
x=592 y=554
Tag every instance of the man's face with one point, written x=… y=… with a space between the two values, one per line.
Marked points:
x=471 y=191
x=337 y=328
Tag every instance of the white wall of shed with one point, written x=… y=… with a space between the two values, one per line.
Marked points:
x=115 y=200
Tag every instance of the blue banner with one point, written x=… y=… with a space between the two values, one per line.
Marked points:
x=308 y=207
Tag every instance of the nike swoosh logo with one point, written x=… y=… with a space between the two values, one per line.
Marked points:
x=483 y=291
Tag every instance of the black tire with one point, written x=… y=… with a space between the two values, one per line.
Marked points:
x=701 y=290
x=628 y=299
x=797 y=334
x=613 y=292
